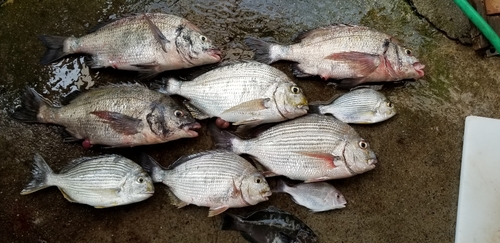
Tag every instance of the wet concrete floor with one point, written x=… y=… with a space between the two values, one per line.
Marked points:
x=410 y=196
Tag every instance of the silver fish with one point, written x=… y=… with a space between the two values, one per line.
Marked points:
x=150 y=43
x=100 y=181
x=317 y=196
x=115 y=115
x=310 y=148
x=360 y=106
x=244 y=92
x=354 y=54
x=215 y=179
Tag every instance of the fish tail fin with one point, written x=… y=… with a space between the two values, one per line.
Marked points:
x=55 y=48
x=40 y=172
x=229 y=222
x=314 y=109
x=168 y=86
x=30 y=106
x=279 y=187
x=225 y=140
x=262 y=50
x=152 y=167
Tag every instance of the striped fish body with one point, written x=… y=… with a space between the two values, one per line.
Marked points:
x=215 y=179
x=310 y=148
x=101 y=181
x=244 y=92
x=361 y=106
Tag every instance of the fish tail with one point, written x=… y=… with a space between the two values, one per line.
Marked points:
x=152 y=167
x=229 y=222
x=55 y=48
x=30 y=106
x=168 y=86
x=225 y=140
x=40 y=172
x=314 y=109
x=279 y=187
x=262 y=50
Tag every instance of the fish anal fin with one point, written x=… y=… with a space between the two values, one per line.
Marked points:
x=324 y=178
x=216 y=211
x=121 y=123
x=174 y=200
x=67 y=196
x=249 y=106
x=362 y=63
x=328 y=158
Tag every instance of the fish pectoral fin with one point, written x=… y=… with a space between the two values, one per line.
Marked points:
x=235 y=192
x=363 y=63
x=195 y=112
x=249 y=106
x=157 y=33
x=121 y=123
x=216 y=211
x=248 y=123
x=174 y=200
x=269 y=174
x=328 y=158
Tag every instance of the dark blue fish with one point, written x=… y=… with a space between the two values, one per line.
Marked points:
x=270 y=225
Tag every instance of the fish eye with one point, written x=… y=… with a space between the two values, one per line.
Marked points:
x=408 y=51
x=178 y=113
x=258 y=180
x=389 y=104
x=140 y=180
x=203 y=38
x=295 y=89
x=363 y=144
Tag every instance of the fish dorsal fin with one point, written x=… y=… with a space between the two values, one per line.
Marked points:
x=184 y=159
x=250 y=106
x=311 y=33
x=71 y=96
x=108 y=23
x=195 y=112
x=76 y=162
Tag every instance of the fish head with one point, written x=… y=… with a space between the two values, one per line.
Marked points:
x=169 y=121
x=358 y=155
x=405 y=64
x=338 y=199
x=137 y=186
x=255 y=188
x=196 y=48
x=290 y=100
x=384 y=110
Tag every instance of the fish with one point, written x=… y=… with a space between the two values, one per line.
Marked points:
x=99 y=181
x=122 y=115
x=351 y=53
x=317 y=196
x=359 y=106
x=241 y=92
x=310 y=148
x=215 y=179
x=270 y=225
x=149 y=43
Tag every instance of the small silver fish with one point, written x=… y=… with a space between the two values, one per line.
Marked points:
x=309 y=148
x=100 y=181
x=353 y=54
x=316 y=196
x=215 y=179
x=243 y=92
x=149 y=43
x=360 y=106
x=122 y=115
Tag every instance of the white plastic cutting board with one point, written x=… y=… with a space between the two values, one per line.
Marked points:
x=478 y=215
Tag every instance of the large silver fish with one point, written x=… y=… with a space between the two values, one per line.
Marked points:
x=360 y=106
x=215 y=179
x=310 y=148
x=150 y=43
x=354 y=54
x=100 y=181
x=244 y=93
x=317 y=196
x=115 y=115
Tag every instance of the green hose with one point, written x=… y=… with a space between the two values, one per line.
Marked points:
x=480 y=23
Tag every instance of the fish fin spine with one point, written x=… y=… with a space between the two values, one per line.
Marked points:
x=40 y=174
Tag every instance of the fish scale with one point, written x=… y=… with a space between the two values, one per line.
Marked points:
x=310 y=148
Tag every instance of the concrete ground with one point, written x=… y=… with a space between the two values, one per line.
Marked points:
x=411 y=196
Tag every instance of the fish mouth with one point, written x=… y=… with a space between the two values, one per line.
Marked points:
x=419 y=68
x=188 y=128
x=372 y=161
x=215 y=53
x=267 y=194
